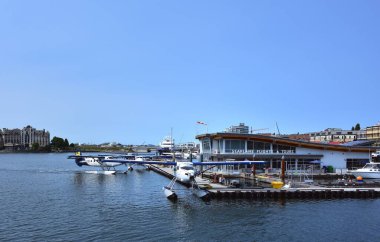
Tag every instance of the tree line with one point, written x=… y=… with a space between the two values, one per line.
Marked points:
x=60 y=143
x=357 y=127
x=57 y=143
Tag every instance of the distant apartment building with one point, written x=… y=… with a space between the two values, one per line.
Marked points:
x=337 y=135
x=373 y=133
x=239 y=129
x=1 y=140
x=14 y=139
x=302 y=137
x=11 y=138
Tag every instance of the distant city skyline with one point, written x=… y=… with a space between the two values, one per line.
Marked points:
x=129 y=71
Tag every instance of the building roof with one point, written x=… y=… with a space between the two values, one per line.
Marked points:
x=290 y=142
x=359 y=143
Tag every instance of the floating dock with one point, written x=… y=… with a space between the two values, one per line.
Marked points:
x=295 y=193
x=220 y=191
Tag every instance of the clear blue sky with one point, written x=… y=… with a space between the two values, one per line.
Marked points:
x=129 y=71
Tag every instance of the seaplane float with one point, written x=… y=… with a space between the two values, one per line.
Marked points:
x=183 y=171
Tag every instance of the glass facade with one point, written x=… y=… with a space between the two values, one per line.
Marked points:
x=243 y=146
x=296 y=164
x=353 y=164
x=234 y=146
x=262 y=147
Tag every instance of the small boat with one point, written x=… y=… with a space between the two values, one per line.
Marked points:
x=370 y=170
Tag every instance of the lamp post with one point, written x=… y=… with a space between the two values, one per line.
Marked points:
x=283 y=169
x=253 y=167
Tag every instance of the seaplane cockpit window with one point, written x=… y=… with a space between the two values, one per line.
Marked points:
x=188 y=168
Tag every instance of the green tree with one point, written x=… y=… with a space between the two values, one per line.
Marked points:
x=66 y=143
x=357 y=126
x=58 y=143
x=35 y=146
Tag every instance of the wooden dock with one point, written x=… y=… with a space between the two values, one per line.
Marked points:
x=295 y=193
x=220 y=191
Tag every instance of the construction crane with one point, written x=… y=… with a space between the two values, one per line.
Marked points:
x=278 y=130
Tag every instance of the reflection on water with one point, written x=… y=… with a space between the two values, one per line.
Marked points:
x=46 y=197
x=83 y=178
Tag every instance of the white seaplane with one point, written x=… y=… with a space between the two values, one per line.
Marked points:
x=102 y=161
x=184 y=171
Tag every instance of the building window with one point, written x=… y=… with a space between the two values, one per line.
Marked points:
x=262 y=147
x=234 y=146
x=220 y=145
x=353 y=164
x=206 y=146
x=249 y=145
x=283 y=149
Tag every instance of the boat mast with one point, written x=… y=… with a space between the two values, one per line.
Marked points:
x=171 y=138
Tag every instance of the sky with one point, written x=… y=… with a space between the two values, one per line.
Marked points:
x=133 y=71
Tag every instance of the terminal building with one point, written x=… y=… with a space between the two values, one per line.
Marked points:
x=296 y=153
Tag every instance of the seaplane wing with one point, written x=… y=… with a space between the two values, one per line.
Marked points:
x=140 y=162
x=217 y=163
x=84 y=156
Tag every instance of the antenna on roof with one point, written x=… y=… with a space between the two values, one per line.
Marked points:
x=278 y=130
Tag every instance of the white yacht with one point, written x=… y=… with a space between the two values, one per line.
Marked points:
x=167 y=143
x=370 y=170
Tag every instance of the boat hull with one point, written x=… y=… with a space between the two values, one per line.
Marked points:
x=367 y=174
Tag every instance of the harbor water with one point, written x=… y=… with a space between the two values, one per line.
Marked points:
x=46 y=197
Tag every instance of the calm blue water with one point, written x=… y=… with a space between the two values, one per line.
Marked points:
x=45 y=197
